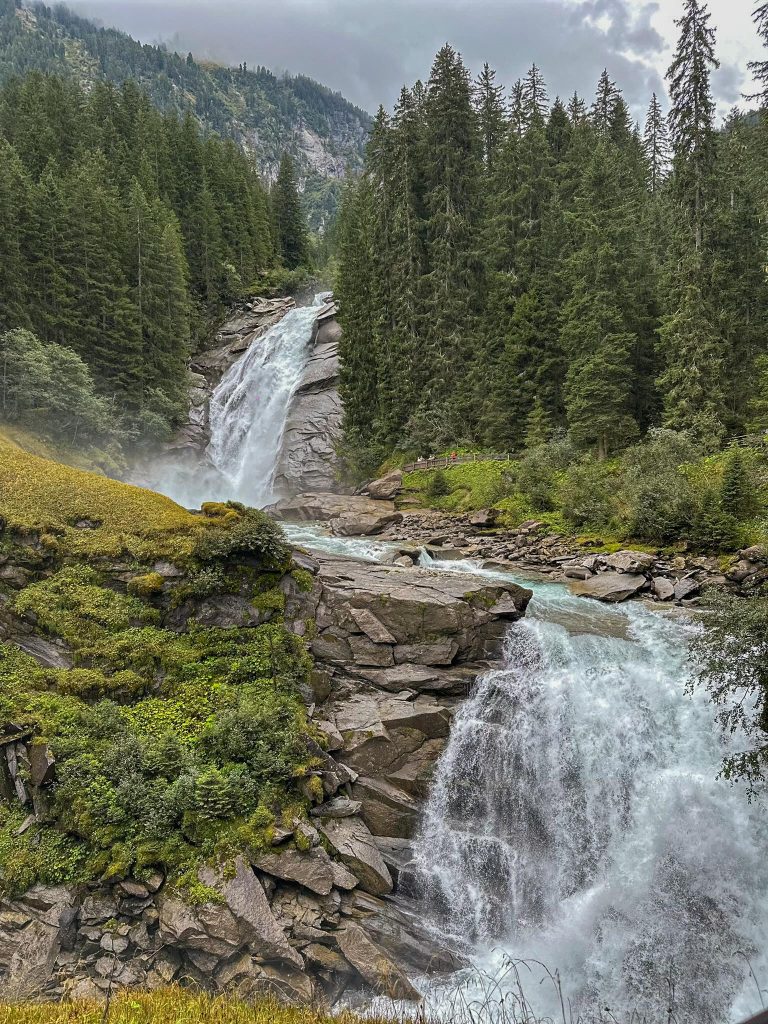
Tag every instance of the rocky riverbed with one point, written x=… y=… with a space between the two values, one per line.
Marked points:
x=530 y=548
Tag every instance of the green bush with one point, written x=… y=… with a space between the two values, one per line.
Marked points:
x=659 y=501
x=437 y=485
x=587 y=493
x=248 y=533
x=537 y=471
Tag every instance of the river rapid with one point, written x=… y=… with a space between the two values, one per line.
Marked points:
x=576 y=822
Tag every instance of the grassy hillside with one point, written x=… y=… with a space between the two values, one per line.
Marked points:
x=264 y=113
x=174 y=741
x=664 y=491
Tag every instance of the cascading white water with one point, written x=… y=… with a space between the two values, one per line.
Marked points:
x=248 y=412
x=249 y=407
x=576 y=820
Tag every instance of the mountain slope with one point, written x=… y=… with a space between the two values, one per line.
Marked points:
x=265 y=114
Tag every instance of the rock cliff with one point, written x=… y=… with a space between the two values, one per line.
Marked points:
x=307 y=460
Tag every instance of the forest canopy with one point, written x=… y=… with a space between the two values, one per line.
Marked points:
x=512 y=266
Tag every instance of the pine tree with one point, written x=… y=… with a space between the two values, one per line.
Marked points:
x=692 y=382
x=534 y=95
x=597 y=321
x=759 y=68
x=491 y=114
x=737 y=494
x=453 y=208
x=691 y=117
x=606 y=101
x=290 y=225
x=656 y=145
x=14 y=208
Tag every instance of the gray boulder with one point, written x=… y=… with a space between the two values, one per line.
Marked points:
x=373 y=965
x=629 y=561
x=663 y=588
x=386 y=487
x=353 y=842
x=612 y=587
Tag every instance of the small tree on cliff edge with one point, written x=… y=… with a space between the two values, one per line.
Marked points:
x=291 y=238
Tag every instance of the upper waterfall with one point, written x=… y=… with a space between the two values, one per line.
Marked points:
x=247 y=416
x=250 y=405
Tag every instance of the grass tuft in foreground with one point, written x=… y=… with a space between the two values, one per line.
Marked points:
x=170 y=1006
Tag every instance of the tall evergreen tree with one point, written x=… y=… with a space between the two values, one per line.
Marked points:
x=656 y=145
x=691 y=116
x=491 y=115
x=759 y=68
x=288 y=216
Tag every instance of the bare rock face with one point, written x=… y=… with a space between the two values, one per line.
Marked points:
x=307 y=459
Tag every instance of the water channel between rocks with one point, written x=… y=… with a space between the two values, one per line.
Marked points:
x=576 y=819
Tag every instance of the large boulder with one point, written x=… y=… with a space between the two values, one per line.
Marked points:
x=386 y=487
x=31 y=934
x=373 y=965
x=629 y=561
x=353 y=842
x=348 y=515
x=612 y=587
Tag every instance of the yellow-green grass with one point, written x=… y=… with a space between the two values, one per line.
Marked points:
x=38 y=495
x=171 y=1006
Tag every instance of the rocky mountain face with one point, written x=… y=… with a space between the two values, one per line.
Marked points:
x=264 y=113
x=394 y=649
x=307 y=459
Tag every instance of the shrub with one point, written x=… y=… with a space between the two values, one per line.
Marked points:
x=252 y=534
x=437 y=485
x=659 y=501
x=587 y=493
x=537 y=471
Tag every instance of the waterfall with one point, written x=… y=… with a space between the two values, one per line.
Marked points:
x=249 y=407
x=576 y=820
x=248 y=411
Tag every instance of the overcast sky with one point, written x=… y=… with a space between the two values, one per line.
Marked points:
x=367 y=49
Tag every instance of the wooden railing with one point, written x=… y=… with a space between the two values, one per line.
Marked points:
x=446 y=461
x=750 y=440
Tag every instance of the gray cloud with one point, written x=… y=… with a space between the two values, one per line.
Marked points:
x=367 y=49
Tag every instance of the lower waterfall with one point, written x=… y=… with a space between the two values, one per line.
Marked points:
x=576 y=820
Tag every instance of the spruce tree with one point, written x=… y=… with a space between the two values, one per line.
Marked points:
x=288 y=217
x=656 y=145
x=692 y=382
x=737 y=495
x=605 y=104
x=453 y=208
x=759 y=68
x=691 y=117
x=491 y=115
